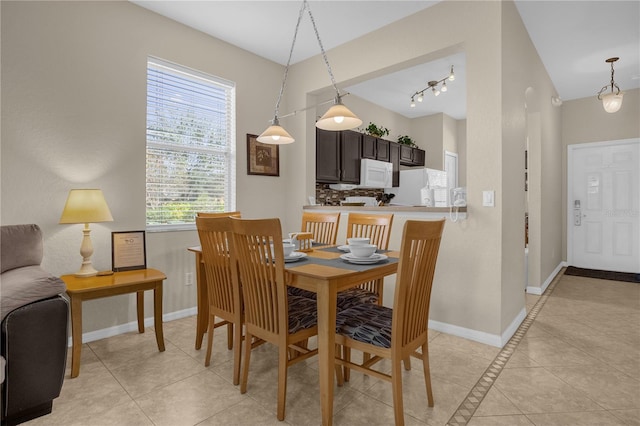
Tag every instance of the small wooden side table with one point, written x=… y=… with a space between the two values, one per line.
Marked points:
x=87 y=288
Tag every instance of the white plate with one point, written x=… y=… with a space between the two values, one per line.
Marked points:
x=295 y=256
x=374 y=258
x=344 y=248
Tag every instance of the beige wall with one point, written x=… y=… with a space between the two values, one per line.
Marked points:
x=74 y=98
x=73 y=113
x=583 y=121
x=472 y=266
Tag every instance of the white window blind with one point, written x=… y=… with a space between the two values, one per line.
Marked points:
x=190 y=145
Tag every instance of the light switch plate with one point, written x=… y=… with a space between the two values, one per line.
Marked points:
x=488 y=198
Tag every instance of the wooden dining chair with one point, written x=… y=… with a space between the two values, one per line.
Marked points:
x=225 y=300
x=397 y=333
x=270 y=313
x=377 y=227
x=218 y=214
x=323 y=226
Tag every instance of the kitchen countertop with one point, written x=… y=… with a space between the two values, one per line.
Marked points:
x=391 y=208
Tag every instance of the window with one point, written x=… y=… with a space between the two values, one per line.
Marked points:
x=190 y=145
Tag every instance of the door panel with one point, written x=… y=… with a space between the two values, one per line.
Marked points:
x=604 y=195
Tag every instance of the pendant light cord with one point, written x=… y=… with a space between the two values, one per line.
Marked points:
x=324 y=54
x=286 y=69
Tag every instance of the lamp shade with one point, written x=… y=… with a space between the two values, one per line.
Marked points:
x=86 y=206
x=275 y=135
x=612 y=101
x=338 y=117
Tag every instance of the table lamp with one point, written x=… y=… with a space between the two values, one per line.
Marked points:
x=86 y=206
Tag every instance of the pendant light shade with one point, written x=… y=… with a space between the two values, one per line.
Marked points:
x=612 y=101
x=275 y=135
x=338 y=117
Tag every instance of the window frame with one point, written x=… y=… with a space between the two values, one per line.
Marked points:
x=229 y=153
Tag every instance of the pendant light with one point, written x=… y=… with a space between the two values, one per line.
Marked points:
x=338 y=117
x=611 y=101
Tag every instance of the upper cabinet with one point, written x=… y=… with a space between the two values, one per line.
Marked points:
x=411 y=156
x=338 y=156
x=375 y=148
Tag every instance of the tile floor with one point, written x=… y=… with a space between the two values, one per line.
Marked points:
x=577 y=362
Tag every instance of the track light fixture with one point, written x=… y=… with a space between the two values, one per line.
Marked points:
x=433 y=85
x=611 y=101
x=338 y=117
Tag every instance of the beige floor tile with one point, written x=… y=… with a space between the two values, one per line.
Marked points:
x=591 y=418
x=552 y=351
x=608 y=387
x=94 y=392
x=535 y=390
x=245 y=413
x=363 y=411
x=121 y=350
x=475 y=349
x=513 y=420
x=190 y=401
x=447 y=397
x=519 y=359
x=496 y=404
x=629 y=417
x=455 y=366
x=155 y=370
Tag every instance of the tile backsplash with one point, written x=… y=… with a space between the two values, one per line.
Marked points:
x=331 y=197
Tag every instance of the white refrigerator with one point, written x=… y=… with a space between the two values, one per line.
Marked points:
x=412 y=181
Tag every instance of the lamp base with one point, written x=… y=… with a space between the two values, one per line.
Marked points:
x=87 y=270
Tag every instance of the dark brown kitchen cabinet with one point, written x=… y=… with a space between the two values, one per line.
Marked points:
x=337 y=156
x=394 y=156
x=382 y=152
x=327 y=156
x=411 y=156
x=418 y=157
x=350 y=156
x=375 y=148
x=369 y=147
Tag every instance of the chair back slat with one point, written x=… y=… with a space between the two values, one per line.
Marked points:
x=377 y=227
x=214 y=234
x=418 y=256
x=323 y=226
x=261 y=272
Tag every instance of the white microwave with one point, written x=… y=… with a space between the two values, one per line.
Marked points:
x=375 y=174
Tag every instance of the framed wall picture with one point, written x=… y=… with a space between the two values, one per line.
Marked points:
x=262 y=158
x=128 y=250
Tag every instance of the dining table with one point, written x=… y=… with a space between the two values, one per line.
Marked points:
x=324 y=271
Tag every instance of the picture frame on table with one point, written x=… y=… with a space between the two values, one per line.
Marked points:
x=262 y=159
x=128 y=250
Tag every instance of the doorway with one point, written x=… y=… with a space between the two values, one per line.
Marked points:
x=603 y=212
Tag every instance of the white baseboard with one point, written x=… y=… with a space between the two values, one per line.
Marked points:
x=132 y=326
x=550 y=278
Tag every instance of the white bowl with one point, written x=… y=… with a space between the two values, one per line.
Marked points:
x=288 y=249
x=358 y=241
x=363 y=250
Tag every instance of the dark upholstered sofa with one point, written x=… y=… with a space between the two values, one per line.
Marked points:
x=34 y=327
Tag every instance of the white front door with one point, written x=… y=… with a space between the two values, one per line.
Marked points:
x=603 y=195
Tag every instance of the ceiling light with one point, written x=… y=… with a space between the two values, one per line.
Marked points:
x=433 y=85
x=611 y=101
x=338 y=117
